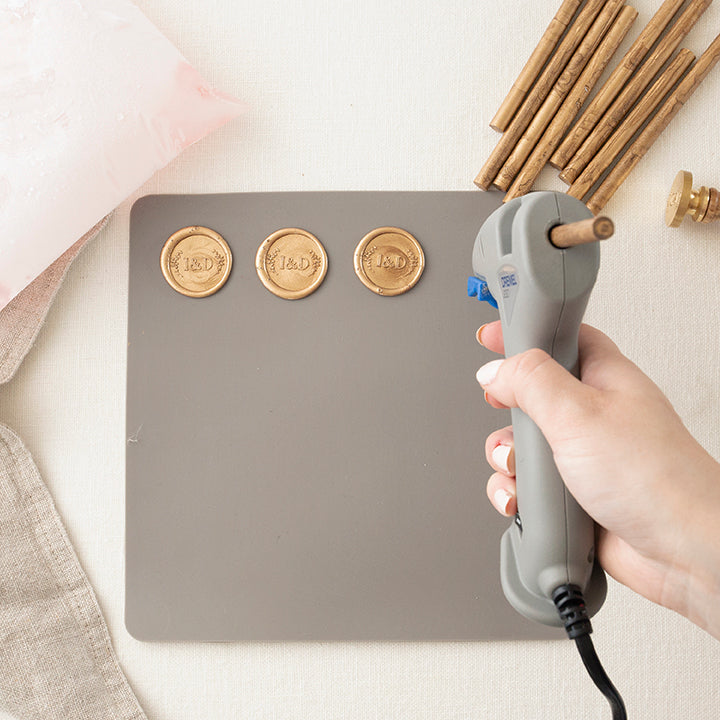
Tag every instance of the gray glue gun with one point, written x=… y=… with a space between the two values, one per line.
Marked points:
x=541 y=291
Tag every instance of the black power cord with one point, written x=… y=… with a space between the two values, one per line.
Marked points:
x=570 y=605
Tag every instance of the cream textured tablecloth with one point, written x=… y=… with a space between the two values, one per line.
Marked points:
x=377 y=95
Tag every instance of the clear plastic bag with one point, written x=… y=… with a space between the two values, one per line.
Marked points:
x=93 y=100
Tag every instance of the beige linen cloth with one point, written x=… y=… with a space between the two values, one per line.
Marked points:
x=56 y=658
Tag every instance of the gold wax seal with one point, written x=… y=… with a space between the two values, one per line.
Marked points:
x=196 y=261
x=291 y=263
x=389 y=261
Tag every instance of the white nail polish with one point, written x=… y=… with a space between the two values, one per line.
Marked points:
x=486 y=374
x=500 y=457
x=501 y=500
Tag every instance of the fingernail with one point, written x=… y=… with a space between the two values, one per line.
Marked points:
x=501 y=500
x=500 y=457
x=478 y=334
x=486 y=374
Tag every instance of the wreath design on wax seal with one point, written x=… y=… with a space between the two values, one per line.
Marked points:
x=316 y=261
x=175 y=262
x=219 y=259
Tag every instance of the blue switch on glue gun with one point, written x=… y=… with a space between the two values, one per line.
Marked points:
x=478 y=287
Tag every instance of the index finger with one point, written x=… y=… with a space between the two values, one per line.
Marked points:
x=594 y=345
x=490 y=336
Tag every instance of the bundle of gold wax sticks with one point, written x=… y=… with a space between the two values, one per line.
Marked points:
x=635 y=104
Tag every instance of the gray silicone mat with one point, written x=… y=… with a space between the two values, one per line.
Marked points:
x=311 y=469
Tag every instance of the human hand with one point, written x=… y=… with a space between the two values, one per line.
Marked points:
x=628 y=460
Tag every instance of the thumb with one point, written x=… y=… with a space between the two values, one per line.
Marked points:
x=539 y=386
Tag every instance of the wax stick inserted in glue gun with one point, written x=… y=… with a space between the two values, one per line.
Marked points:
x=541 y=291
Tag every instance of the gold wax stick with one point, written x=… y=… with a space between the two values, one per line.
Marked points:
x=582 y=232
x=615 y=83
x=667 y=112
x=558 y=93
x=534 y=65
x=573 y=102
x=630 y=125
x=542 y=87
x=632 y=91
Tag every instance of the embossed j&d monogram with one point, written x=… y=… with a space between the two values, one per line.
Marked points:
x=382 y=259
x=182 y=263
x=307 y=264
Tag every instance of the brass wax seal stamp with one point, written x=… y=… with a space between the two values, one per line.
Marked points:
x=291 y=263
x=702 y=205
x=389 y=261
x=196 y=261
